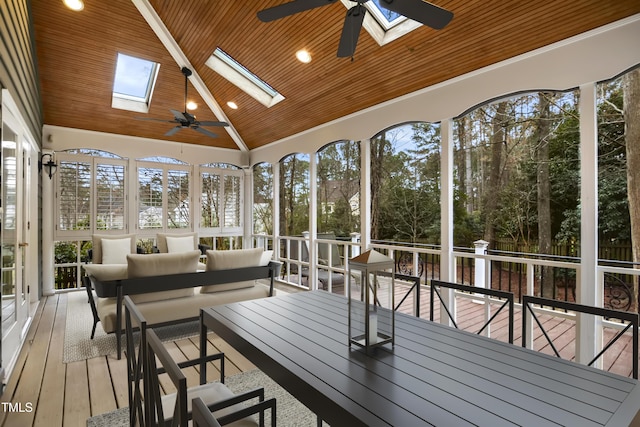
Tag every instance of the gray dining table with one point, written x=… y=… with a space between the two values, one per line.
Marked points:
x=434 y=375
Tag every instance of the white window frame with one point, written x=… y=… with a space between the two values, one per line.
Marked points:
x=222 y=229
x=93 y=161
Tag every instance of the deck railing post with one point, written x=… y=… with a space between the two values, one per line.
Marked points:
x=479 y=274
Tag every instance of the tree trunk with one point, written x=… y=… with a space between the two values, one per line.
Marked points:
x=497 y=141
x=631 y=102
x=377 y=150
x=544 y=191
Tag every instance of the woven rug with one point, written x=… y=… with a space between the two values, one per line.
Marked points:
x=78 y=344
x=289 y=412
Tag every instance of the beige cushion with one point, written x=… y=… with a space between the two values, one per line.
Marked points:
x=161 y=240
x=228 y=260
x=160 y=265
x=97 y=245
x=106 y=272
x=210 y=393
x=178 y=308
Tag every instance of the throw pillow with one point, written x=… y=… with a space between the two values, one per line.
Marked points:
x=265 y=257
x=114 y=251
x=179 y=244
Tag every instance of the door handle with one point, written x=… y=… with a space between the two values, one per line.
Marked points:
x=23 y=244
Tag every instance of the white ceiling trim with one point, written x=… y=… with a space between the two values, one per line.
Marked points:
x=149 y=14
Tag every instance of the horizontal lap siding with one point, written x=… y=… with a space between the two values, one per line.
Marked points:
x=18 y=72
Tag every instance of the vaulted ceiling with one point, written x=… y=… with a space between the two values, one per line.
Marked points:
x=77 y=55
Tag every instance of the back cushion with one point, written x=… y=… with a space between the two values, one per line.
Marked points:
x=228 y=260
x=160 y=265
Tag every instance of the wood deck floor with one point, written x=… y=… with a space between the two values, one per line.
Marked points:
x=66 y=395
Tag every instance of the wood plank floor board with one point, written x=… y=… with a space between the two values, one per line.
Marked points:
x=77 y=402
x=30 y=383
x=100 y=386
x=118 y=373
x=51 y=401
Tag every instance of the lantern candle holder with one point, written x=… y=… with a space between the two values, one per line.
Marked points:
x=371 y=317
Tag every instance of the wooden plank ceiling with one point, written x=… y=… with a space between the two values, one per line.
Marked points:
x=77 y=52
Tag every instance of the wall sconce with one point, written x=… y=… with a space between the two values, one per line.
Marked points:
x=50 y=166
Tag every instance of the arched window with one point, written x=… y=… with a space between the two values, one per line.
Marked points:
x=405 y=183
x=339 y=188
x=294 y=194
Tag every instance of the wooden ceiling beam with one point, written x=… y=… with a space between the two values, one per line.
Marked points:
x=149 y=14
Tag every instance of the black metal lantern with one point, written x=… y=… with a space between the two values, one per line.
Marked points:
x=372 y=317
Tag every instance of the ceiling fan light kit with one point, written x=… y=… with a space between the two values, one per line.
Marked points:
x=417 y=10
x=185 y=119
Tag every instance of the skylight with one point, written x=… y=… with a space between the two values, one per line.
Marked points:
x=133 y=83
x=385 y=17
x=223 y=64
x=383 y=24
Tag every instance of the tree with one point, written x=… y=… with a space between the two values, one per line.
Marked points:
x=631 y=84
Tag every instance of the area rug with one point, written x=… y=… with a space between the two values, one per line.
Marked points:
x=289 y=412
x=78 y=344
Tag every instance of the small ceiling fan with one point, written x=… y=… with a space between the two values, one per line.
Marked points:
x=185 y=119
x=418 y=10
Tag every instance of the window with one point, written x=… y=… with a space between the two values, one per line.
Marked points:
x=164 y=195
x=221 y=198
x=133 y=83
x=90 y=193
x=223 y=64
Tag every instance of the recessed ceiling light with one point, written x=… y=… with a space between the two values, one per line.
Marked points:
x=233 y=105
x=191 y=105
x=303 y=56
x=76 y=5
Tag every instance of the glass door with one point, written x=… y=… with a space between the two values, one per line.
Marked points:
x=15 y=301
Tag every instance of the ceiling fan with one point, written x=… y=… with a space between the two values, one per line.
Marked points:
x=185 y=119
x=418 y=10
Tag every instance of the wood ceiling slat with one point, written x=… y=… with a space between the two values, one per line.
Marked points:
x=76 y=53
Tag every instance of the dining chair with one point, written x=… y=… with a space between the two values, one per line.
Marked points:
x=202 y=417
x=508 y=298
x=175 y=409
x=528 y=311
x=136 y=356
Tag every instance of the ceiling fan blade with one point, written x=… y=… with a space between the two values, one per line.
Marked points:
x=420 y=11
x=291 y=8
x=209 y=123
x=173 y=131
x=204 y=131
x=351 y=31
x=179 y=116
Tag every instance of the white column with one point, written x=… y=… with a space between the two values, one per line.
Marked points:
x=275 y=207
x=447 y=260
x=313 y=220
x=48 y=281
x=589 y=292
x=365 y=194
x=247 y=239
